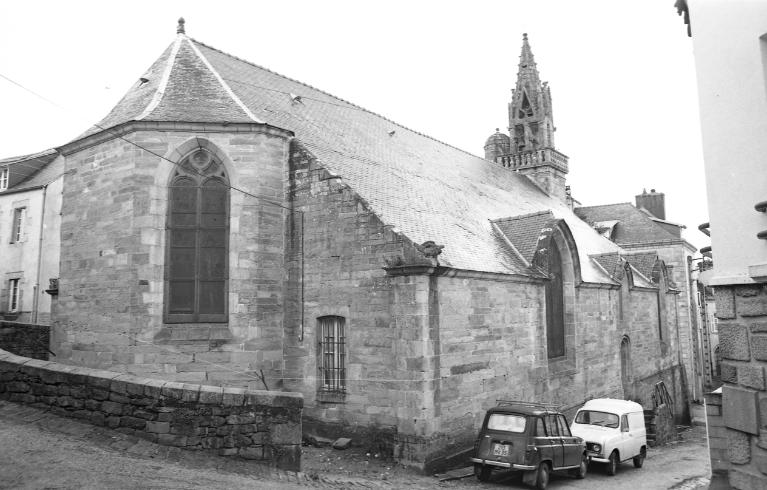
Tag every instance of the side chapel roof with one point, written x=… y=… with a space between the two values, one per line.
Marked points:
x=629 y=224
x=424 y=188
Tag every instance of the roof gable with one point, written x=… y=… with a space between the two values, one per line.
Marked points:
x=633 y=225
x=523 y=231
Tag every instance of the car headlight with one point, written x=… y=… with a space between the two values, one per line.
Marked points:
x=593 y=446
x=597 y=448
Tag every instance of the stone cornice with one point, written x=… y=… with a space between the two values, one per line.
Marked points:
x=432 y=270
x=660 y=243
x=197 y=127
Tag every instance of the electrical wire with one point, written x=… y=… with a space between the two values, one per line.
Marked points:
x=178 y=164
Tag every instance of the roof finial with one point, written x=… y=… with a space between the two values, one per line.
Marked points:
x=180 y=29
x=524 y=36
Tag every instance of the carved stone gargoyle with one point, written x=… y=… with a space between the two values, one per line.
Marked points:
x=430 y=250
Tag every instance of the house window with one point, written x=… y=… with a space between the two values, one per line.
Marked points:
x=332 y=354
x=4 y=178
x=555 y=305
x=17 y=227
x=13 y=295
x=198 y=241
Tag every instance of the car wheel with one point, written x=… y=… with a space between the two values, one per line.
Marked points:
x=543 y=477
x=639 y=459
x=580 y=473
x=482 y=472
x=612 y=463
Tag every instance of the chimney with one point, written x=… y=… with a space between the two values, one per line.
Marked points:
x=653 y=202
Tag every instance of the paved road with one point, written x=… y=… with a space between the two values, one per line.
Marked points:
x=679 y=466
x=41 y=450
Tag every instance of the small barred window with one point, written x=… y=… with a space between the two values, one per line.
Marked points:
x=331 y=359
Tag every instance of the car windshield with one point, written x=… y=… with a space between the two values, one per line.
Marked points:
x=506 y=422
x=594 y=417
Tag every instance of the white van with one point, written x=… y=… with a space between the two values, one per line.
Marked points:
x=614 y=431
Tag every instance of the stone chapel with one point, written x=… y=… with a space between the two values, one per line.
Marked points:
x=228 y=225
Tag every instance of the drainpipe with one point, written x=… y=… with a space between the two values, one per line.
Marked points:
x=36 y=288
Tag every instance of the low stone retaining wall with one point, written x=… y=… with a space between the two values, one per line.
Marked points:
x=25 y=339
x=258 y=425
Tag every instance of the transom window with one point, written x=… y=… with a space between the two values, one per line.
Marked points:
x=331 y=359
x=198 y=241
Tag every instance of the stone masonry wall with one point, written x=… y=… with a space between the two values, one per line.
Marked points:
x=493 y=346
x=428 y=351
x=675 y=256
x=111 y=291
x=742 y=311
x=25 y=339
x=335 y=266
x=258 y=425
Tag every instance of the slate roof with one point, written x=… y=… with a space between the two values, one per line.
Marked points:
x=634 y=225
x=643 y=262
x=523 y=231
x=33 y=170
x=425 y=189
x=611 y=263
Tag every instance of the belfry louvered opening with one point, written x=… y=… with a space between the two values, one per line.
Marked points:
x=331 y=358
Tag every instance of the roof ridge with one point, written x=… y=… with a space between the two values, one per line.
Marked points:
x=223 y=83
x=521 y=216
x=159 y=92
x=29 y=156
x=641 y=252
x=337 y=98
x=604 y=205
x=604 y=254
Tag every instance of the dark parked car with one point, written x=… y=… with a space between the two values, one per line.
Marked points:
x=532 y=438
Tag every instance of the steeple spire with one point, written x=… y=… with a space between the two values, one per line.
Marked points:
x=526 y=59
x=530 y=118
x=529 y=148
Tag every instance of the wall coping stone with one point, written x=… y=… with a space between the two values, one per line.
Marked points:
x=235 y=396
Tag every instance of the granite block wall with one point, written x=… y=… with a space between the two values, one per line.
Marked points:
x=742 y=433
x=430 y=349
x=235 y=422
x=25 y=339
x=336 y=251
x=110 y=306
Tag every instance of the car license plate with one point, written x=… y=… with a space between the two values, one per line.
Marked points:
x=500 y=450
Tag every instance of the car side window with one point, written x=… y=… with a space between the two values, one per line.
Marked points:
x=539 y=429
x=551 y=425
x=563 y=428
x=624 y=423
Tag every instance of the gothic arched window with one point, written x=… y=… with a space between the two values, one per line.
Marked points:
x=196 y=270
x=555 y=305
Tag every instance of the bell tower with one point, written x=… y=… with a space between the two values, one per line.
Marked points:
x=530 y=144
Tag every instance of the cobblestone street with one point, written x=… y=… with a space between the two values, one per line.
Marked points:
x=42 y=450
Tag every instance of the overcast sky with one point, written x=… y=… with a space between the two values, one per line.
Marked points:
x=621 y=73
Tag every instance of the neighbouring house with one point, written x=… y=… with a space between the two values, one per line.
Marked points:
x=228 y=225
x=643 y=228
x=30 y=203
x=729 y=41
